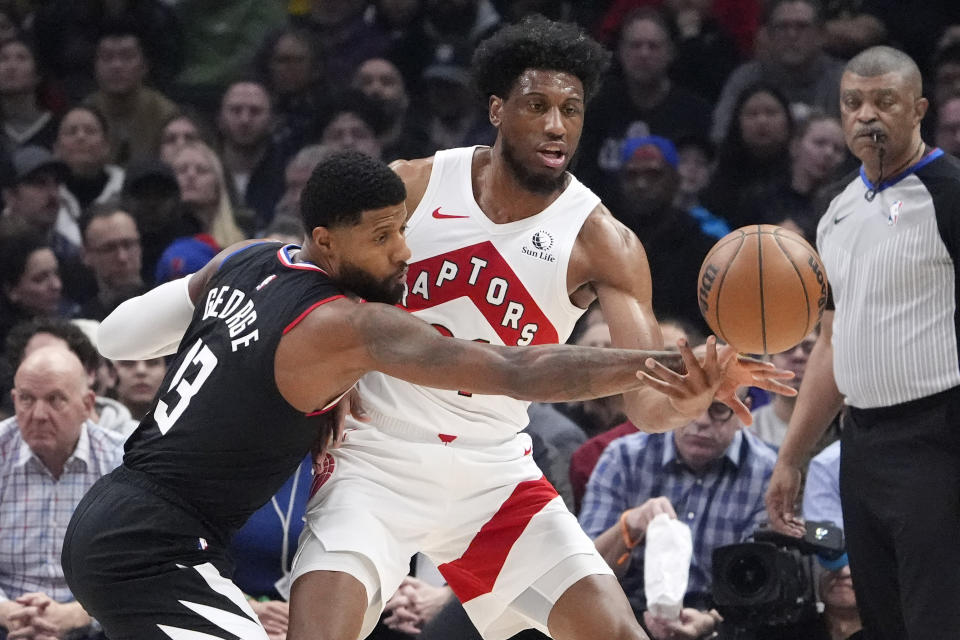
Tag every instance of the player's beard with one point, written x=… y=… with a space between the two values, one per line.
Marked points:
x=539 y=183
x=361 y=283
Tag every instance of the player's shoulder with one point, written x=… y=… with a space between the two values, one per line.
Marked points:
x=602 y=235
x=415 y=175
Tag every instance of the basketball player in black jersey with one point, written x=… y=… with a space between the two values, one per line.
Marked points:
x=278 y=334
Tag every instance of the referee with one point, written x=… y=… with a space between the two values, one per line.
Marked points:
x=888 y=349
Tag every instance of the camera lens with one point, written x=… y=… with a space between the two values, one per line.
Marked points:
x=747 y=575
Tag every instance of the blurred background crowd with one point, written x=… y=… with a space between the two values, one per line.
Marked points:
x=138 y=137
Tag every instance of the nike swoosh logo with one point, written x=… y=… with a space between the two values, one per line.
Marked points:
x=444 y=216
x=837 y=220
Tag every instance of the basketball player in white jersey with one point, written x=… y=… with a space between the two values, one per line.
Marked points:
x=507 y=248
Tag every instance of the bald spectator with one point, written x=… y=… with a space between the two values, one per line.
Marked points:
x=947 y=132
x=27 y=337
x=134 y=112
x=251 y=161
x=795 y=64
x=112 y=251
x=50 y=455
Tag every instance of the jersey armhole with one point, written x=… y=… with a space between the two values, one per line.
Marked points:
x=308 y=310
x=233 y=253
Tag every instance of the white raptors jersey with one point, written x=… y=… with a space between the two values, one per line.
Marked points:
x=472 y=278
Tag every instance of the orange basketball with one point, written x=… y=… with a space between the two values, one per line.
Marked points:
x=762 y=289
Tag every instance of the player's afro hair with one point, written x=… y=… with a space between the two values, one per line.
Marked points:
x=345 y=185
x=538 y=43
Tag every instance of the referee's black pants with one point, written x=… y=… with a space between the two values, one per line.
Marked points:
x=900 y=491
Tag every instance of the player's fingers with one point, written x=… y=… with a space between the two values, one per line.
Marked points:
x=662 y=371
x=774 y=386
x=710 y=360
x=695 y=371
x=356 y=406
x=735 y=403
x=666 y=388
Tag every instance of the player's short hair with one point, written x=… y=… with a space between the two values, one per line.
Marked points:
x=345 y=185
x=538 y=43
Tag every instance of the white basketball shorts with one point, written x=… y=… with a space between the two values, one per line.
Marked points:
x=482 y=512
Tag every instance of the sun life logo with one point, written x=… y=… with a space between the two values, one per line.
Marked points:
x=542 y=242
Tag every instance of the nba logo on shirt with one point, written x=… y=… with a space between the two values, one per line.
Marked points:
x=202 y=544
x=894 y=213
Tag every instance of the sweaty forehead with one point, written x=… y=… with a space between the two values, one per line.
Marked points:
x=535 y=80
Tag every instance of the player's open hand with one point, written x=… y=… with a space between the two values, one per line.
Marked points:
x=781 y=499
x=743 y=371
x=691 y=390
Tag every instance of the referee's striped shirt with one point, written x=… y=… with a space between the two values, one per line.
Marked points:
x=892 y=265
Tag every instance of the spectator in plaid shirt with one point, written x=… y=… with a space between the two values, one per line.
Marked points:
x=711 y=474
x=50 y=454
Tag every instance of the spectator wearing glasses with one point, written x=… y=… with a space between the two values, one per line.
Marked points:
x=770 y=421
x=112 y=251
x=794 y=62
x=710 y=473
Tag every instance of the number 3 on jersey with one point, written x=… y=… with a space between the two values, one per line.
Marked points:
x=201 y=355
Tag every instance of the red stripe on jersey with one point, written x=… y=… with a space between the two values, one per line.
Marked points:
x=481 y=274
x=475 y=572
x=307 y=311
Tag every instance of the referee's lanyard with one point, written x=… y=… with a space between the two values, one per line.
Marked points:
x=283 y=584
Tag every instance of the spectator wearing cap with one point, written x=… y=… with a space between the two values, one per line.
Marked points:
x=638 y=100
x=673 y=240
x=83 y=145
x=31 y=196
x=24 y=120
x=251 y=161
x=185 y=256
x=112 y=251
x=134 y=112
x=381 y=81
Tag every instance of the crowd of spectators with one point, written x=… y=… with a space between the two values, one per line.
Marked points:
x=138 y=137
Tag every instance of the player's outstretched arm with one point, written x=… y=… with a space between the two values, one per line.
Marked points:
x=405 y=347
x=343 y=340
x=609 y=259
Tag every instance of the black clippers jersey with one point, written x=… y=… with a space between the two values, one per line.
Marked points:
x=219 y=433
